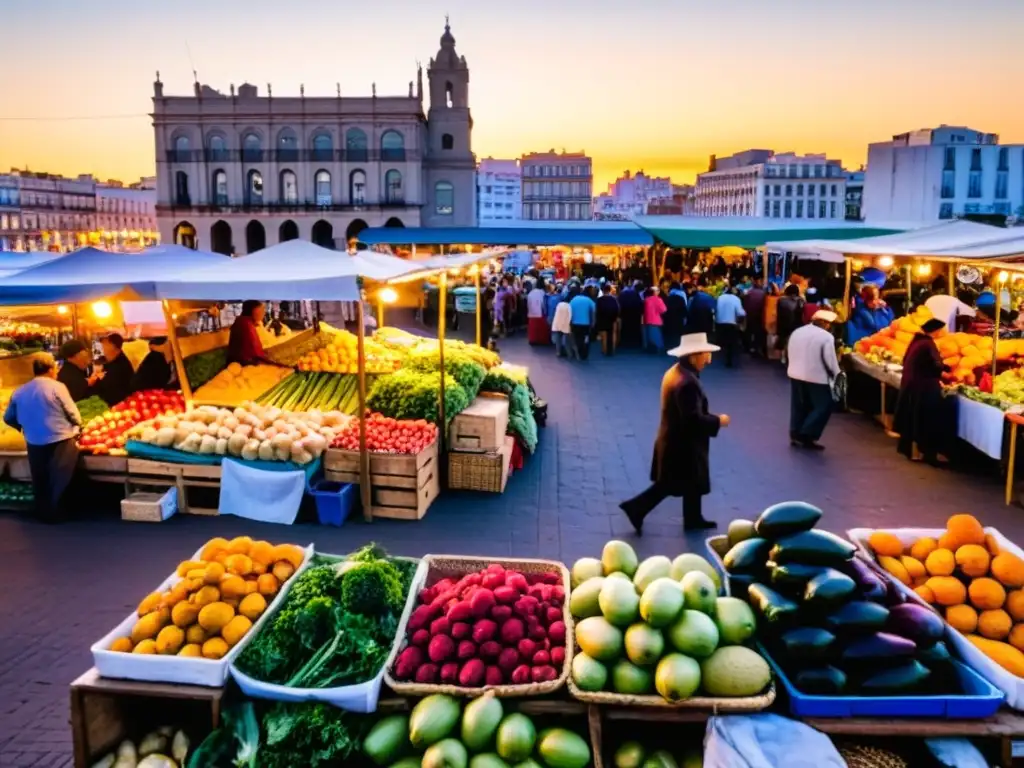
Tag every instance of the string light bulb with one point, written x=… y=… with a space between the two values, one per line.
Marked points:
x=388 y=295
x=885 y=262
x=102 y=309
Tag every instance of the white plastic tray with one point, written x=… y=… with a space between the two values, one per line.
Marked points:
x=176 y=669
x=1005 y=681
x=361 y=697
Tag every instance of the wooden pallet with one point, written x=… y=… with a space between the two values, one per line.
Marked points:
x=145 y=473
x=402 y=486
x=105 y=469
x=104 y=712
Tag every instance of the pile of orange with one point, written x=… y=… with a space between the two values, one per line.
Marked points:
x=341 y=355
x=965 y=576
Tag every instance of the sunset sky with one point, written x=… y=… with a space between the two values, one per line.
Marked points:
x=652 y=84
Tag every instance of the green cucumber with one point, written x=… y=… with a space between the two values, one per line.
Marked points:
x=786 y=518
x=812 y=548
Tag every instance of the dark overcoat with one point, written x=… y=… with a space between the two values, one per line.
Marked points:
x=680 y=463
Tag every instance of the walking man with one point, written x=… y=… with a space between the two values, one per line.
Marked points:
x=583 y=313
x=728 y=313
x=812 y=368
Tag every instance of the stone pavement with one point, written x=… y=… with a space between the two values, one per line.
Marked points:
x=66 y=586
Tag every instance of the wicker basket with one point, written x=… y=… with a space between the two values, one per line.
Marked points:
x=442 y=566
x=713 y=703
x=480 y=471
x=143 y=507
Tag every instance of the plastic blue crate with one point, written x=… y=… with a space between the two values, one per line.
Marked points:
x=980 y=699
x=334 y=500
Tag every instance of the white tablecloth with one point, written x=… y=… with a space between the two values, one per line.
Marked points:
x=982 y=426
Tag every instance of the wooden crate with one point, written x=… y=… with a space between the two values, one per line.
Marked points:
x=402 y=486
x=105 y=469
x=481 y=427
x=104 y=712
x=487 y=472
x=144 y=473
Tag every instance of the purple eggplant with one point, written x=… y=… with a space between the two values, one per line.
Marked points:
x=915 y=622
x=871 y=585
x=880 y=645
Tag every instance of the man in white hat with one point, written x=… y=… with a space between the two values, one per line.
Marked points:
x=680 y=466
x=812 y=368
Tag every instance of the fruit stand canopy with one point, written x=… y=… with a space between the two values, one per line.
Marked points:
x=90 y=273
x=549 y=233
x=948 y=241
x=753 y=232
x=13 y=263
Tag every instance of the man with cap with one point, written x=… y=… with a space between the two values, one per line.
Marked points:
x=680 y=466
x=74 y=373
x=812 y=368
x=155 y=369
x=117 y=371
x=44 y=412
x=920 y=416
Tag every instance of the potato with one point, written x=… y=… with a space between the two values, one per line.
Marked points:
x=262 y=552
x=213 y=546
x=251 y=586
x=214 y=616
x=283 y=571
x=235 y=630
x=213 y=573
x=289 y=553
x=176 y=594
x=207 y=595
x=193 y=650
x=147 y=627
x=122 y=645
x=240 y=565
x=215 y=648
x=267 y=584
x=197 y=573
x=258 y=569
x=188 y=565
x=150 y=603
x=232 y=586
x=196 y=635
x=170 y=640
x=232 y=601
x=240 y=545
x=146 y=646
x=253 y=606
x=184 y=614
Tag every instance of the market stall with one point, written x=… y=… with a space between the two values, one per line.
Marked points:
x=287 y=655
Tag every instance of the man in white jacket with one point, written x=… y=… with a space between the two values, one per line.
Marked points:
x=813 y=367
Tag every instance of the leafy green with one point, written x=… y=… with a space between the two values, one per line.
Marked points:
x=235 y=744
x=409 y=394
x=204 y=366
x=336 y=625
x=466 y=371
x=310 y=735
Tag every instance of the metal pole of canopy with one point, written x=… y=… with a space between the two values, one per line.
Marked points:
x=364 y=455
x=479 y=300
x=764 y=251
x=951 y=287
x=652 y=257
x=380 y=311
x=74 y=320
x=995 y=330
x=846 y=288
x=443 y=297
x=179 y=362
x=910 y=285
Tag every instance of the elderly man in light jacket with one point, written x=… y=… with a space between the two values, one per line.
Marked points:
x=813 y=367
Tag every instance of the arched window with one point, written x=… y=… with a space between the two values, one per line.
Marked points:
x=447 y=141
x=255 y=237
x=323 y=147
x=393 y=187
x=220 y=238
x=356 y=146
x=287 y=145
x=220 y=188
x=323 y=234
x=185 y=234
x=392 y=146
x=322 y=185
x=252 y=148
x=289 y=187
x=449 y=91
x=181 y=195
x=254 y=188
x=444 y=198
x=181 y=147
x=217 y=147
x=357 y=188
x=289 y=230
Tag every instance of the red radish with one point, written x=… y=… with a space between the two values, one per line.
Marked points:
x=524 y=607
x=467 y=650
x=543 y=674
x=472 y=674
x=492 y=580
x=426 y=595
x=427 y=674
x=545 y=644
x=521 y=675
x=527 y=648
x=490 y=649
x=516 y=581
x=551 y=578
x=557 y=633
x=553 y=615
x=505 y=595
x=443 y=598
x=443 y=586
x=450 y=673
x=541 y=658
x=421 y=617
x=461 y=630
x=484 y=630
x=468 y=592
x=496 y=568
x=462 y=611
x=501 y=613
x=440 y=627
x=482 y=602
x=469 y=580
x=508 y=660
x=441 y=648
x=536 y=632
x=409 y=660
x=512 y=631
x=450 y=604
x=557 y=594
x=493 y=676
x=558 y=657
x=420 y=637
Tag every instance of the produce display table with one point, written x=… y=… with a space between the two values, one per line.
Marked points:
x=105 y=469
x=105 y=711
x=162 y=474
x=15 y=465
x=404 y=486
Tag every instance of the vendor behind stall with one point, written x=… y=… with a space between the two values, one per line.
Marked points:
x=116 y=384
x=74 y=373
x=923 y=416
x=155 y=369
x=45 y=413
x=244 y=345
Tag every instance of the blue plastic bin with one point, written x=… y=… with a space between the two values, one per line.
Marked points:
x=333 y=500
x=980 y=699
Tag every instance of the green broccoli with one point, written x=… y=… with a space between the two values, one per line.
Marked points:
x=372 y=589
